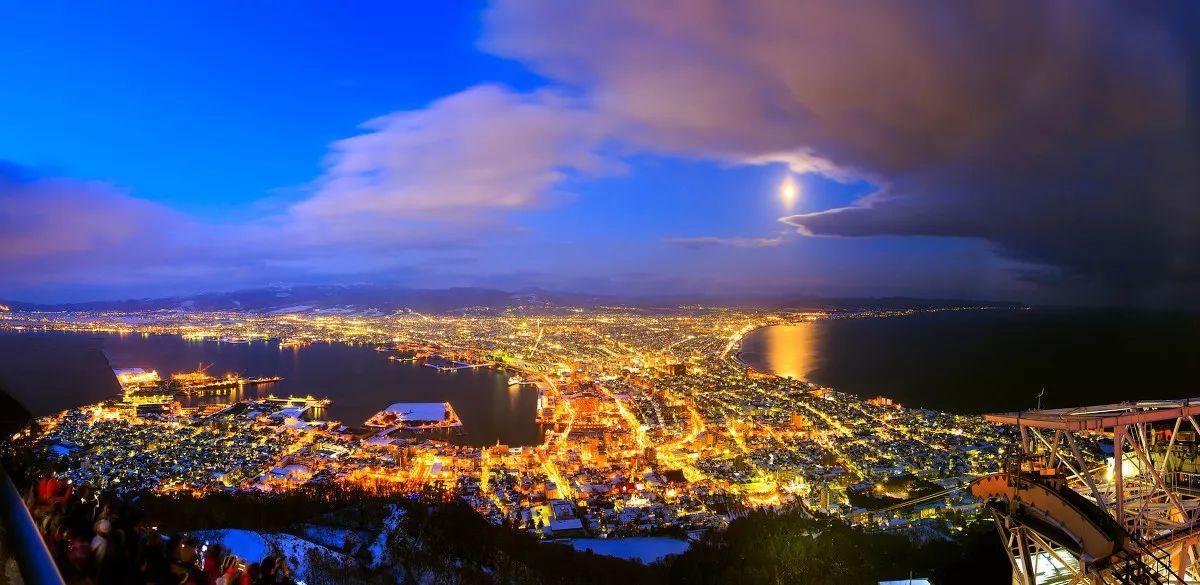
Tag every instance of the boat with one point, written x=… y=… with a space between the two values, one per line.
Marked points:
x=200 y=382
x=515 y=381
x=260 y=380
x=137 y=378
x=199 y=377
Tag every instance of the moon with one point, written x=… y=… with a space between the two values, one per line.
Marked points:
x=789 y=191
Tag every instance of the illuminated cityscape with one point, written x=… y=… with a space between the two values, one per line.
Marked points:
x=650 y=419
x=537 y=292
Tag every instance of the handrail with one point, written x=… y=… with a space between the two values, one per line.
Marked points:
x=1095 y=533
x=33 y=558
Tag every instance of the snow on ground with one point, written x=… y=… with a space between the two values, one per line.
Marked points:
x=390 y=525
x=327 y=536
x=291 y=309
x=252 y=546
x=392 y=522
x=402 y=413
x=644 y=548
x=249 y=546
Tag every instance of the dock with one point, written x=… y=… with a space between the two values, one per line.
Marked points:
x=222 y=385
x=415 y=416
x=448 y=365
x=299 y=401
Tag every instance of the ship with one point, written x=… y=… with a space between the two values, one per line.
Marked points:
x=260 y=380
x=198 y=378
x=515 y=381
x=201 y=382
x=137 y=378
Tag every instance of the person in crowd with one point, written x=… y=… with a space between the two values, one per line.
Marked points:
x=273 y=571
x=213 y=556
x=266 y=575
x=79 y=555
x=183 y=557
x=152 y=564
x=99 y=543
x=95 y=539
x=250 y=577
x=115 y=567
x=231 y=571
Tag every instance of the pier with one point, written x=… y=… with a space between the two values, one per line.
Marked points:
x=415 y=416
x=448 y=365
x=223 y=385
x=299 y=401
x=435 y=358
x=456 y=366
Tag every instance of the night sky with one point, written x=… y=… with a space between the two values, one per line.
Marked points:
x=1045 y=151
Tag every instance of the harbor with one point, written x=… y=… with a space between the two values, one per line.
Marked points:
x=360 y=379
x=195 y=383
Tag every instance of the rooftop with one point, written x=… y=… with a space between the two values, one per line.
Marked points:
x=418 y=411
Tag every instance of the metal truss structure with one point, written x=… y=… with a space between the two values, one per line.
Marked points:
x=1069 y=513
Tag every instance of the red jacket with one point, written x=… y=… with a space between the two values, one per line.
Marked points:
x=212 y=567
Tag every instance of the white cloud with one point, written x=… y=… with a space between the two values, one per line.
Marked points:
x=465 y=157
x=735 y=242
x=417 y=184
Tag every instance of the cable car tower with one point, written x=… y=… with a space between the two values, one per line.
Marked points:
x=1070 y=512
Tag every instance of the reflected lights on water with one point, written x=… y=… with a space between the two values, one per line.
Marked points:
x=791 y=350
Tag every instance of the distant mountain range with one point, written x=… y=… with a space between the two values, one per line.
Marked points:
x=387 y=298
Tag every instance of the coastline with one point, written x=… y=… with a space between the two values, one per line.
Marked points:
x=736 y=354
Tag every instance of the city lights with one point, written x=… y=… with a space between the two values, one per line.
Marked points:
x=653 y=410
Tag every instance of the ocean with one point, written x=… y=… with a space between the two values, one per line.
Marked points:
x=991 y=360
x=359 y=380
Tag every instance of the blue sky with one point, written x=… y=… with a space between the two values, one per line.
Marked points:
x=215 y=106
x=155 y=148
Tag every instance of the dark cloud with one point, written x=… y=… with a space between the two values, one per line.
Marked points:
x=1063 y=132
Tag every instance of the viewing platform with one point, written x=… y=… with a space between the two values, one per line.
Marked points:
x=1068 y=506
